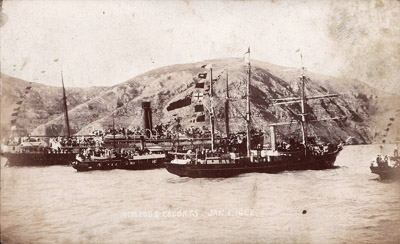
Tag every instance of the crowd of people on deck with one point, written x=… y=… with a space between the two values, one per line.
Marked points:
x=98 y=138
x=161 y=131
x=111 y=152
x=80 y=141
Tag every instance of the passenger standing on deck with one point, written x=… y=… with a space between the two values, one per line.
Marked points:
x=385 y=161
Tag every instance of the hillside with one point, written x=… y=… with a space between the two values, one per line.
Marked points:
x=369 y=111
x=40 y=103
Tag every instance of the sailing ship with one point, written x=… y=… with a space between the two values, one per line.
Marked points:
x=304 y=156
x=34 y=151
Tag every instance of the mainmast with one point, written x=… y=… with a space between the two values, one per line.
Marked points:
x=211 y=110
x=247 y=60
x=303 y=105
x=65 y=107
x=227 y=108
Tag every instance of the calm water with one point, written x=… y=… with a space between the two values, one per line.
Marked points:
x=58 y=205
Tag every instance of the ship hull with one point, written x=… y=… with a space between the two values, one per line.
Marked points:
x=386 y=172
x=120 y=163
x=39 y=159
x=244 y=166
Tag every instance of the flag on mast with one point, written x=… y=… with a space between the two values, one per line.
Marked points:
x=207 y=66
x=247 y=56
x=200 y=85
x=201 y=118
x=199 y=108
x=202 y=75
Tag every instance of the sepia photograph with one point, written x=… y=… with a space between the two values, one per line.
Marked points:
x=199 y=121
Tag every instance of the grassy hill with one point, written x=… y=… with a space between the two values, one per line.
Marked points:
x=40 y=104
x=369 y=111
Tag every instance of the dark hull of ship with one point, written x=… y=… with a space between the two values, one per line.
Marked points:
x=386 y=172
x=38 y=159
x=121 y=163
x=245 y=166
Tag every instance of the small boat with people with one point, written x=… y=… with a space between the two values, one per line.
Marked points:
x=255 y=158
x=387 y=167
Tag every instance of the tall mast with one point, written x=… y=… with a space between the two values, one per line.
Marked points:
x=113 y=131
x=302 y=99
x=303 y=103
x=227 y=107
x=212 y=110
x=248 y=105
x=65 y=107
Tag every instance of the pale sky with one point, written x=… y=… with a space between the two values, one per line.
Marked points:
x=107 y=42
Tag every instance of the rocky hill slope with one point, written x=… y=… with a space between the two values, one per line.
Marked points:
x=39 y=103
x=371 y=114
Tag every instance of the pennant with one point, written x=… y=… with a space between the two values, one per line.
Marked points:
x=19 y=102
x=199 y=108
x=387 y=129
x=16 y=109
x=390 y=124
x=207 y=66
x=202 y=75
x=28 y=87
x=201 y=118
x=391 y=119
x=200 y=85
x=247 y=56
x=14 y=114
x=198 y=96
x=13 y=121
